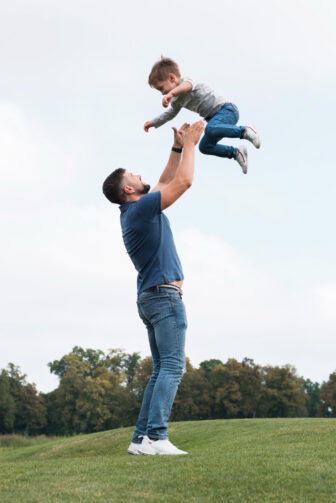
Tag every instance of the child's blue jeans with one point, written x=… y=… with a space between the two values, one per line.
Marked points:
x=164 y=315
x=222 y=125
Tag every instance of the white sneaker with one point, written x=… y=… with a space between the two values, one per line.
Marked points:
x=252 y=135
x=144 y=448
x=133 y=448
x=165 y=447
x=242 y=158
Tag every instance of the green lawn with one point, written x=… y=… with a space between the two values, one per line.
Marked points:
x=231 y=461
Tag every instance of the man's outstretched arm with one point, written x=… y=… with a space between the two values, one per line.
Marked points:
x=174 y=160
x=185 y=171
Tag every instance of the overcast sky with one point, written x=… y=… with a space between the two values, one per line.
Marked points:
x=258 y=251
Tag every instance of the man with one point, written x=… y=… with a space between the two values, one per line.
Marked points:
x=149 y=242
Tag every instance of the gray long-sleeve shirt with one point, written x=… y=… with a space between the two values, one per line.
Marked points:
x=200 y=99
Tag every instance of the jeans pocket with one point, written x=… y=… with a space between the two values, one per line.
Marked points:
x=150 y=310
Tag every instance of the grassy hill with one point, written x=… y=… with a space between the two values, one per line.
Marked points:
x=231 y=461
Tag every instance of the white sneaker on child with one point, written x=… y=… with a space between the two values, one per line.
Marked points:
x=252 y=135
x=242 y=158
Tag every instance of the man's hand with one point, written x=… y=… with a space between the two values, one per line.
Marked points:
x=179 y=135
x=148 y=125
x=166 y=99
x=194 y=132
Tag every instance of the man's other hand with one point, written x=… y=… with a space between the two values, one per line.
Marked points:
x=179 y=135
x=194 y=132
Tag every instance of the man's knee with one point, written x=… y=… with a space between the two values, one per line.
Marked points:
x=174 y=367
x=156 y=371
x=179 y=373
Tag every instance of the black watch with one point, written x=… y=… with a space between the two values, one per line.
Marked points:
x=178 y=150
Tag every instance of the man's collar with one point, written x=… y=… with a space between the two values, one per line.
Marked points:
x=125 y=206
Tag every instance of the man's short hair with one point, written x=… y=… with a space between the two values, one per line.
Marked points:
x=161 y=71
x=113 y=187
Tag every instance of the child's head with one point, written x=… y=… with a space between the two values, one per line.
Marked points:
x=165 y=75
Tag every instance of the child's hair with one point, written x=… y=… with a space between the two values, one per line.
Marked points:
x=161 y=71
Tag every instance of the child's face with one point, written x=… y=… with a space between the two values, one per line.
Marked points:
x=168 y=85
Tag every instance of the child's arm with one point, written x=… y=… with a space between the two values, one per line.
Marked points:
x=163 y=118
x=181 y=88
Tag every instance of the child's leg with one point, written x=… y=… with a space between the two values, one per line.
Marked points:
x=209 y=147
x=220 y=126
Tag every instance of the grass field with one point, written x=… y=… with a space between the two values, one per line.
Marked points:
x=231 y=461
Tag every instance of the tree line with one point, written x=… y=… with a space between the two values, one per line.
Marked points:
x=99 y=391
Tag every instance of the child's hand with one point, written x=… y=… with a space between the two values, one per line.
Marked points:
x=148 y=125
x=166 y=99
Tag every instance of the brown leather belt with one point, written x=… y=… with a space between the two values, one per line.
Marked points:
x=157 y=287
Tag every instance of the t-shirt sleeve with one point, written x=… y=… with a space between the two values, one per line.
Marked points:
x=172 y=111
x=192 y=82
x=149 y=205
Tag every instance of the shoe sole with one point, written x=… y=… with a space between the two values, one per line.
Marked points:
x=147 y=453
x=140 y=454
x=135 y=453
x=172 y=453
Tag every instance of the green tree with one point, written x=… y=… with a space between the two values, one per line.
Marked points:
x=228 y=396
x=142 y=376
x=282 y=393
x=249 y=379
x=7 y=404
x=92 y=357
x=125 y=365
x=209 y=365
x=93 y=394
x=313 y=401
x=328 y=397
x=79 y=403
x=235 y=387
x=193 y=397
x=30 y=409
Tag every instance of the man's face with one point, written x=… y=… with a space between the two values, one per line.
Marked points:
x=167 y=85
x=136 y=183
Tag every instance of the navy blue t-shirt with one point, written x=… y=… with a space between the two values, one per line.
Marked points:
x=149 y=241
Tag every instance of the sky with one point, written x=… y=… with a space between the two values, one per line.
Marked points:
x=258 y=251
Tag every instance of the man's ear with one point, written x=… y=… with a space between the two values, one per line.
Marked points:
x=172 y=77
x=128 y=189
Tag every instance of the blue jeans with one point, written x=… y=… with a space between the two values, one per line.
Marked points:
x=164 y=315
x=222 y=125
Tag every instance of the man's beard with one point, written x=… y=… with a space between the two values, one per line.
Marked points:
x=145 y=189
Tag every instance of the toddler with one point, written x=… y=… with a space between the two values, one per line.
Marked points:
x=221 y=115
